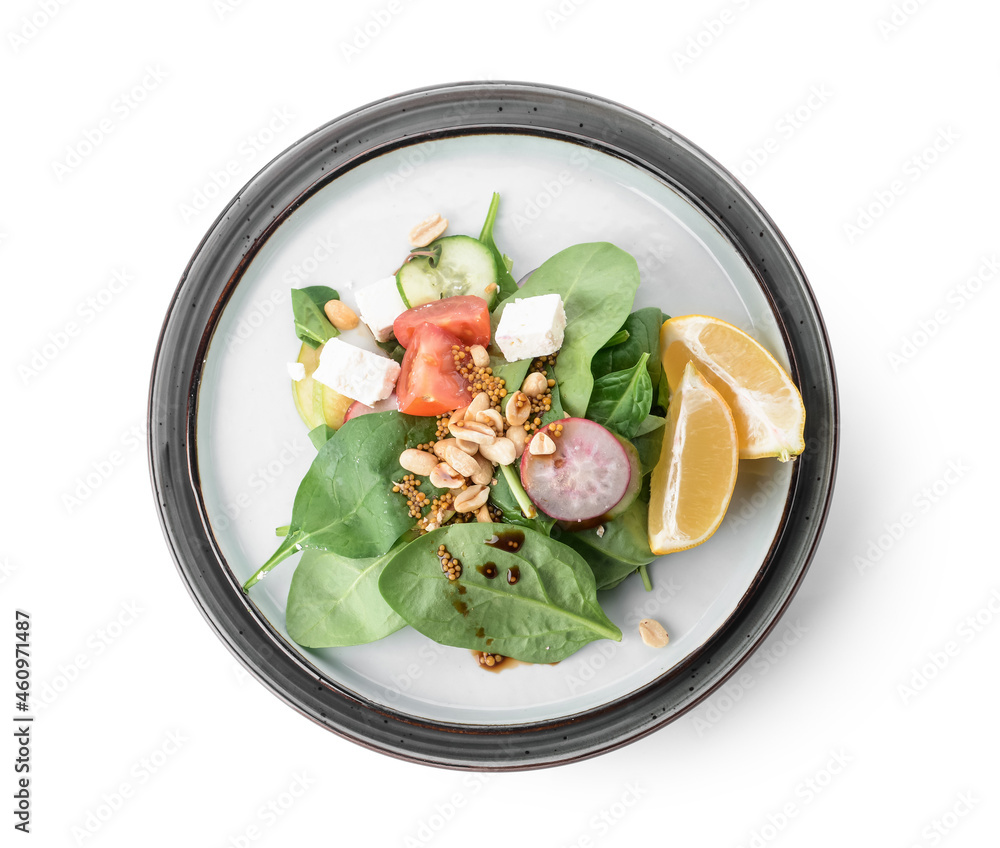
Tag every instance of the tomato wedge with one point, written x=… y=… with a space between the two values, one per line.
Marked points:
x=465 y=316
x=429 y=383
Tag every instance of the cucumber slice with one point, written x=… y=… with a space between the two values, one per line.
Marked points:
x=317 y=404
x=466 y=266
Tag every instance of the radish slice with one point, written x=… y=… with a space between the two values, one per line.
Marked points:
x=588 y=474
x=358 y=408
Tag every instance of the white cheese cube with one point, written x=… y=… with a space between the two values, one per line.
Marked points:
x=297 y=371
x=531 y=326
x=379 y=305
x=358 y=374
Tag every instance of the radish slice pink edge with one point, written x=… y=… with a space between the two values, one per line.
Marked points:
x=588 y=474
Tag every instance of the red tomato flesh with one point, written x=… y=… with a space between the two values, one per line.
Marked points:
x=464 y=316
x=429 y=383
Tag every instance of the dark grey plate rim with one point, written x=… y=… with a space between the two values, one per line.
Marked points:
x=214 y=271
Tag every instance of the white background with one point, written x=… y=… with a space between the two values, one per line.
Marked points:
x=868 y=717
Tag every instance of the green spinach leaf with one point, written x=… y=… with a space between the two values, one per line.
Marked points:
x=334 y=601
x=311 y=324
x=621 y=400
x=643 y=329
x=619 y=337
x=547 y=614
x=597 y=283
x=648 y=440
x=320 y=435
x=505 y=281
x=620 y=551
x=345 y=502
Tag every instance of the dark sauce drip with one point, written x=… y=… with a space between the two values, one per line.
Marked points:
x=480 y=633
x=513 y=575
x=460 y=605
x=506 y=540
x=488 y=570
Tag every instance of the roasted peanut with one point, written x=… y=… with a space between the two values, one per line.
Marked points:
x=480 y=358
x=427 y=230
x=652 y=633
x=492 y=419
x=461 y=461
x=445 y=477
x=483 y=515
x=541 y=445
x=484 y=475
x=472 y=498
x=418 y=461
x=518 y=408
x=519 y=436
x=479 y=403
x=473 y=431
x=534 y=384
x=340 y=314
x=501 y=451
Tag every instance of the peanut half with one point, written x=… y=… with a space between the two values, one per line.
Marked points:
x=541 y=445
x=472 y=498
x=518 y=408
x=427 y=230
x=418 y=461
x=652 y=633
x=340 y=314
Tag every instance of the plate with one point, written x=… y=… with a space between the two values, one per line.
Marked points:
x=227 y=449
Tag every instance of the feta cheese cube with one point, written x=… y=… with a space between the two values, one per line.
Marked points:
x=358 y=374
x=297 y=371
x=379 y=305
x=531 y=326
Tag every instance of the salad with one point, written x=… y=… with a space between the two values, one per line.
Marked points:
x=514 y=451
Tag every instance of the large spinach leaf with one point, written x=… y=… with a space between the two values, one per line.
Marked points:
x=597 y=283
x=547 y=614
x=622 y=548
x=334 y=601
x=621 y=400
x=642 y=331
x=311 y=324
x=505 y=281
x=345 y=502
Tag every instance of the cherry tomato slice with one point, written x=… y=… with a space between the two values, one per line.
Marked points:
x=429 y=383
x=464 y=316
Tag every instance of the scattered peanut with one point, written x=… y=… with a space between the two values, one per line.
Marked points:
x=652 y=633
x=541 y=445
x=461 y=461
x=501 y=451
x=445 y=477
x=480 y=358
x=427 y=230
x=441 y=447
x=483 y=515
x=518 y=408
x=484 y=475
x=492 y=419
x=519 y=436
x=418 y=461
x=472 y=498
x=473 y=431
x=457 y=417
x=341 y=315
x=534 y=384
x=471 y=448
x=479 y=403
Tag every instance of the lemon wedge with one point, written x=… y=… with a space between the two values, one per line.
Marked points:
x=694 y=478
x=765 y=403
